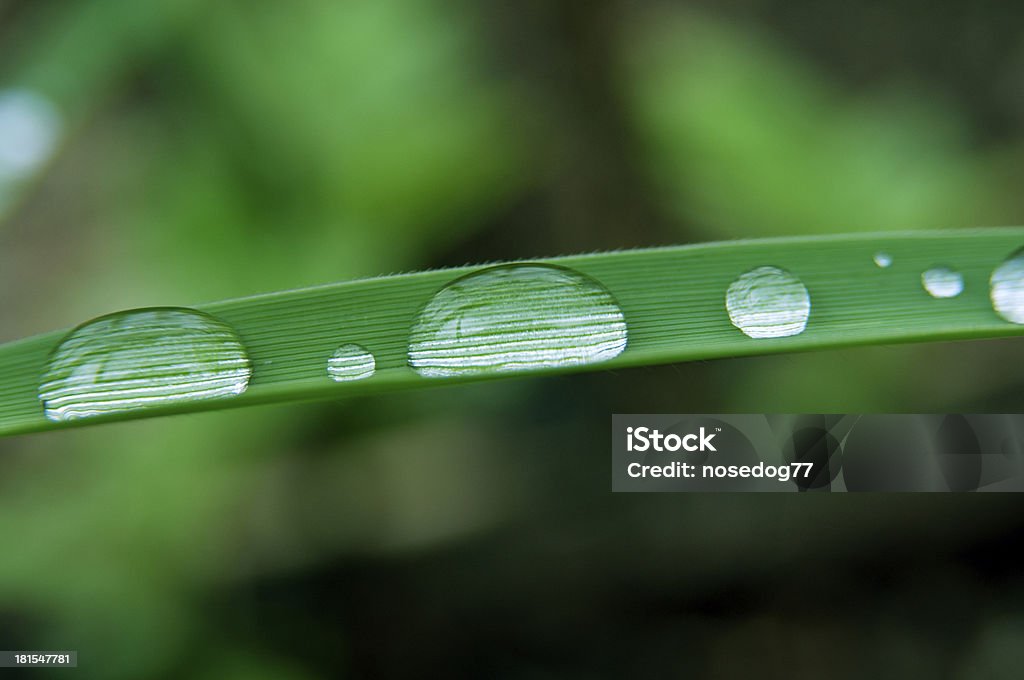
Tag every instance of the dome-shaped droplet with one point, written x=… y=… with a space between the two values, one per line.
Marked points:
x=350 y=362
x=143 y=359
x=516 y=318
x=768 y=302
x=1007 y=288
x=942 y=282
x=883 y=260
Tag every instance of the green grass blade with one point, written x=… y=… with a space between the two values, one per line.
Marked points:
x=673 y=300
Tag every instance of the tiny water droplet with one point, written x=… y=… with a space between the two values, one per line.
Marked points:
x=1007 y=292
x=141 y=359
x=768 y=302
x=883 y=260
x=350 y=362
x=29 y=127
x=942 y=282
x=516 y=318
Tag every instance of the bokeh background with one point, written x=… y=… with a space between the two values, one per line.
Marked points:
x=178 y=151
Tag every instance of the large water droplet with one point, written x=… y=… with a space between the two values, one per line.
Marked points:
x=141 y=359
x=942 y=282
x=768 y=302
x=351 y=362
x=1007 y=292
x=29 y=127
x=516 y=318
x=883 y=260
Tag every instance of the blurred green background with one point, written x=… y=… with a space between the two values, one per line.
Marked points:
x=176 y=152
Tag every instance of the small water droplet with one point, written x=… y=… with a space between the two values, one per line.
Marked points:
x=141 y=359
x=942 y=282
x=516 y=318
x=768 y=302
x=351 y=362
x=29 y=127
x=883 y=260
x=1007 y=292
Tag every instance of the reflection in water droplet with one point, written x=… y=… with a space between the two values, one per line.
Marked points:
x=883 y=260
x=768 y=302
x=29 y=127
x=1007 y=292
x=351 y=362
x=140 y=359
x=942 y=282
x=516 y=318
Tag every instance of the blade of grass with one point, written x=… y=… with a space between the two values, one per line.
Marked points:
x=673 y=300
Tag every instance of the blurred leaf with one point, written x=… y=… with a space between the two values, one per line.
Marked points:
x=748 y=139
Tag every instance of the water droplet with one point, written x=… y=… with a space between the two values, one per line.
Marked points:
x=1007 y=292
x=768 y=302
x=942 y=282
x=883 y=260
x=29 y=127
x=516 y=318
x=350 y=362
x=141 y=359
